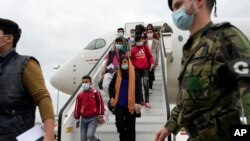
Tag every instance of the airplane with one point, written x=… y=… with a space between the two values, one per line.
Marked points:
x=68 y=76
x=91 y=58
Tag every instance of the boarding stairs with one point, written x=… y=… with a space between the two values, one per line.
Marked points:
x=151 y=121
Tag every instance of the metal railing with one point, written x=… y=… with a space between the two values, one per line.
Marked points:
x=72 y=98
x=93 y=73
x=164 y=74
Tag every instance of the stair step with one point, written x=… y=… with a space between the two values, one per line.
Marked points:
x=115 y=137
x=142 y=120
x=148 y=124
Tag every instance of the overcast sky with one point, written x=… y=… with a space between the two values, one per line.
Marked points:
x=54 y=30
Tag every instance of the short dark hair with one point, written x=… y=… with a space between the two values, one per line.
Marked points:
x=139 y=29
x=138 y=37
x=120 y=29
x=87 y=77
x=10 y=27
x=118 y=40
x=150 y=25
x=210 y=4
x=151 y=29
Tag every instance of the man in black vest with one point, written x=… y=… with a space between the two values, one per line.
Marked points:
x=22 y=88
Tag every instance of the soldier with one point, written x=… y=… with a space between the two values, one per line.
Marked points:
x=215 y=90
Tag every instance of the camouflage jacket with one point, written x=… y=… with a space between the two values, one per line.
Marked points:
x=199 y=88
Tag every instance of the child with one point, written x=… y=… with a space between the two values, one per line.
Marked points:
x=143 y=62
x=90 y=108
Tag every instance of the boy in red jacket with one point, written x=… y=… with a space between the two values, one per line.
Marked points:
x=90 y=108
x=143 y=61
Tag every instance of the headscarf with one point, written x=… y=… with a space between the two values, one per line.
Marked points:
x=131 y=85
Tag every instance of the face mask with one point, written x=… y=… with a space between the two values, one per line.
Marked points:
x=85 y=86
x=139 y=43
x=118 y=46
x=150 y=35
x=182 y=20
x=132 y=41
x=125 y=66
x=120 y=34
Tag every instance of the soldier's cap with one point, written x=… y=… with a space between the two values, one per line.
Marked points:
x=170 y=4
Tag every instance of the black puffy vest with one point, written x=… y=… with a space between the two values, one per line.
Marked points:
x=17 y=109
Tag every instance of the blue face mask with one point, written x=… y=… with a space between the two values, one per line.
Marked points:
x=85 y=86
x=118 y=46
x=132 y=41
x=120 y=34
x=125 y=66
x=182 y=20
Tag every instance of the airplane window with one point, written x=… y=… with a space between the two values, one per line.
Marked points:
x=100 y=43
x=96 y=44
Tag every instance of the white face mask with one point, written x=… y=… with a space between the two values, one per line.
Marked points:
x=139 y=43
x=85 y=86
x=150 y=35
x=125 y=66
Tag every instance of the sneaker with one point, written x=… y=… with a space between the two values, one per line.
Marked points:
x=147 y=105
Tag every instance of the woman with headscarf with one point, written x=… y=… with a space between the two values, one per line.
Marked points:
x=125 y=96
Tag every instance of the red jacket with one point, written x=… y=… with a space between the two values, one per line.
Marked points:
x=141 y=57
x=88 y=104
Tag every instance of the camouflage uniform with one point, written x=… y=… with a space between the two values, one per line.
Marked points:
x=206 y=106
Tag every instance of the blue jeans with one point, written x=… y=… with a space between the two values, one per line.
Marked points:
x=88 y=128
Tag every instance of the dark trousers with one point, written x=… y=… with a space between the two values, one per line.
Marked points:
x=125 y=124
x=144 y=76
x=151 y=78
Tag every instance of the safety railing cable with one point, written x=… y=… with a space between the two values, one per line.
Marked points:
x=164 y=73
x=75 y=92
